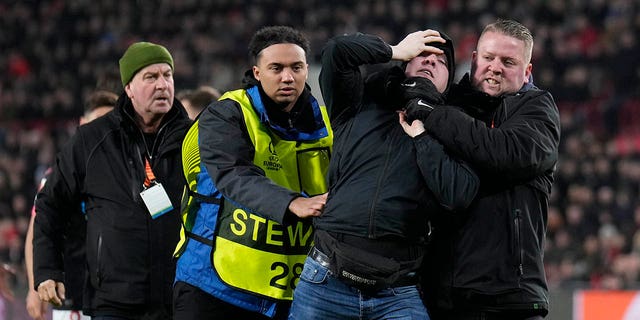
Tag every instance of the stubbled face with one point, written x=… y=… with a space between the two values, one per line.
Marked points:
x=431 y=66
x=499 y=64
x=151 y=91
x=282 y=71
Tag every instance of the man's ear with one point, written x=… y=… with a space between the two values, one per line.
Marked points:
x=527 y=73
x=127 y=89
x=256 y=72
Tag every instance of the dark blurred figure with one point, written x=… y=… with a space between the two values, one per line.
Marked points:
x=194 y=101
x=98 y=104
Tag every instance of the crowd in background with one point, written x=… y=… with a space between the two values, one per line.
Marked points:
x=586 y=54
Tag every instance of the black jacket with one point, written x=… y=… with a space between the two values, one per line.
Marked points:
x=73 y=256
x=491 y=257
x=129 y=254
x=382 y=183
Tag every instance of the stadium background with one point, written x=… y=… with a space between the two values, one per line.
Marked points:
x=52 y=53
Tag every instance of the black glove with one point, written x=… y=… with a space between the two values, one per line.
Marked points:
x=422 y=88
x=418 y=109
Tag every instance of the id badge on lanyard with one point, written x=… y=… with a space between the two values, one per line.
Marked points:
x=154 y=196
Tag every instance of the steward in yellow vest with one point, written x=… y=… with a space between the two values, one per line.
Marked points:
x=255 y=163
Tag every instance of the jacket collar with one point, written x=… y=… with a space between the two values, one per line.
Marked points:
x=303 y=123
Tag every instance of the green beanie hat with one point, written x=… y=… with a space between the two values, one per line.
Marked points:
x=140 y=55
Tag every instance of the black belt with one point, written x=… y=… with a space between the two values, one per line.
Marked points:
x=319 y=257
x=409 y=279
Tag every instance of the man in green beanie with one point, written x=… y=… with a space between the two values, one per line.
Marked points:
x=123 y=170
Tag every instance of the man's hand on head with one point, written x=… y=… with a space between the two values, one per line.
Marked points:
x=416 y=43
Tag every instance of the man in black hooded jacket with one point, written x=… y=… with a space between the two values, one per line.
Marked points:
x=383 y=184
x=490 y=257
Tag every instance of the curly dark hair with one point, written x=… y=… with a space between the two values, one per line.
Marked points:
x=271 y=35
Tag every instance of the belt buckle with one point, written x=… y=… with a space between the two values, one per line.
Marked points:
x=320 y=257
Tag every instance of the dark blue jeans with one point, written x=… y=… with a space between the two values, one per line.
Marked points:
x=320 y=295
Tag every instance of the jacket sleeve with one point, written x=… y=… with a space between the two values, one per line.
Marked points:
x=227 y=152
x=341 y=80
x=453 y=183
x=59 y=198
x=522 y=146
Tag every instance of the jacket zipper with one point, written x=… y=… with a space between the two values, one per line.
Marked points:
x=149 y=153
x=517 y=222
x=132 y=175
x=158 y=138
x=99 y=274
x=375 y=198
x=153 y=146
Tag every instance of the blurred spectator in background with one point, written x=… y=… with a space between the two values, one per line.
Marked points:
x=589 y=46
x=194 y=101
x=98 y=103
x=6 y=292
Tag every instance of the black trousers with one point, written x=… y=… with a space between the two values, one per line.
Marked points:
x=151 y=315
x=191 y=303
x=150 y=312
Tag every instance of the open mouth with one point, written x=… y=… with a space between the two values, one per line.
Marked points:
x=428 y=73
x=492 y=82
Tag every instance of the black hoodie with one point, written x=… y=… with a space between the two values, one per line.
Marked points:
x=382 y=183
x=449 y=52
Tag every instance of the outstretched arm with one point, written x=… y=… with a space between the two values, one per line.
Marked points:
x=308 y=207
x=520 y=147
x=228 y=156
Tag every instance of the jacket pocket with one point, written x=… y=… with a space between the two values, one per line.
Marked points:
x=313 y=272
x=517 y=241
x=315 y=163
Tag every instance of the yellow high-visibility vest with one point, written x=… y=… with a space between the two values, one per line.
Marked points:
x=252 y=253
